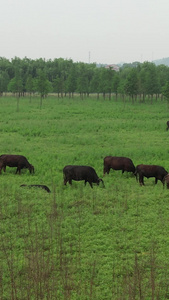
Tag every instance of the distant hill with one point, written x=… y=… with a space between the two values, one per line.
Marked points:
x=157 y=62
x=162 y=61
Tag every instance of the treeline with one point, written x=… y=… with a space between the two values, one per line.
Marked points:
x=66 y=77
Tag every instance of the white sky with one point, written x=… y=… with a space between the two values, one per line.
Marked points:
x=112 y=31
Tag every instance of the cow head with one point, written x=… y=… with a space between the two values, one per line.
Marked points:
x=31 y=169
x=101 y=180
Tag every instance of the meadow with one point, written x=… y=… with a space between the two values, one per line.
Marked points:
x=77 y=242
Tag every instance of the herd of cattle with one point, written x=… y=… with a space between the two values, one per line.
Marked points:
x=87 y=173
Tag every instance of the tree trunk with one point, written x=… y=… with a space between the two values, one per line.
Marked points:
x=151 y=99
x=17 y=101
x=41 y=101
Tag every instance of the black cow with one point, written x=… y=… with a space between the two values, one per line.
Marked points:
x=150 y=171
x=42 y=186
x=167 y=125
x=77 y=173
x=18 y=161
x=118 y=163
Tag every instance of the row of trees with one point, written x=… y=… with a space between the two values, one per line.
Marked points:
x=66 y=77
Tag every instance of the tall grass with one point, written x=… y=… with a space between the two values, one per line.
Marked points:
x=78 y=242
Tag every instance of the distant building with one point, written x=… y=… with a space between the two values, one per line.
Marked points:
x=113 y=67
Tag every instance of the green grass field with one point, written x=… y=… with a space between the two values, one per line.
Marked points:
x=77 y=242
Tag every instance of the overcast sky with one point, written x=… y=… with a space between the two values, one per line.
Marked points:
x=109 y=31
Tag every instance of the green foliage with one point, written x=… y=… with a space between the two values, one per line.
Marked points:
x=64 y=76
x=15 y=85
x=78 y=242
x=165 y=91
x=29 y=84
x=4 y=79
x=131 y=84
x=71 y=80
x=42 y=84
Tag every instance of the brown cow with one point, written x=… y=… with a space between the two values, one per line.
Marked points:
x=150 y=171
x=166 y=180
x=18 y=161
x=118 y=163
x=77 y=173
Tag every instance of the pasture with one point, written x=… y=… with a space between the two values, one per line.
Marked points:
x=77 y=242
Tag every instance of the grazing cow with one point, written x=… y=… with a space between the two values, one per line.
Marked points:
x=150 y=171
x=118 y=163
x=166 y=180
x=18 y=161
x=42 y=186
x=167 y=125
x=77 y=173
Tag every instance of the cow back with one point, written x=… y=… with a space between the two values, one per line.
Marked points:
x=119 y=163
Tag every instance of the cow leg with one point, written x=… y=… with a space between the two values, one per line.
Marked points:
x=141 y=179
x=91 y=184
x=18 y=170
x=156 y=180
x=4 y=168
x=136 y=174
x=65 y=180
x=1 y=167
x=70 y=181
x=163 y=181
x=106 y=170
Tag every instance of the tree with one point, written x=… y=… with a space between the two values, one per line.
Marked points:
x=121 y=88
x=163 y=75
x=115 y=83
x=109 y=78
x=71 y=81
x=152 y=81
x=149 y=79
x=95 y=82
x=131 y=84
x=43 y=85
x=58 y=85
x=104 y=83
x=165 y=91
x=4 y=80
x=29 y=85
x=82 y=80
x=16 y=85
